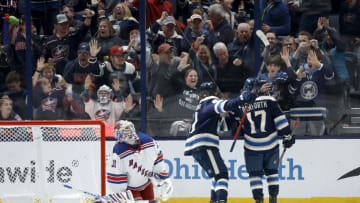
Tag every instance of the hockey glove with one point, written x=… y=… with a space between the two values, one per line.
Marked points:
x=288 y=141
x=248 y=97
x=165 y=189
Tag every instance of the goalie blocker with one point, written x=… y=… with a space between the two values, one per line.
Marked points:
x=136 y=165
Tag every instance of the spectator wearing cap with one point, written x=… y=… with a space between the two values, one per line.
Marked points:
x=275 y=16
x=61 y=47
x=196 y=5
x=223 y=31
x=85 y=64
x=118 y=67
x=196 y=28
x=123 y=21
x=167 y=34
x=107 y=38
x=160 y=72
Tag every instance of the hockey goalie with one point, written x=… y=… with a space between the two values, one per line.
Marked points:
x=136 y=165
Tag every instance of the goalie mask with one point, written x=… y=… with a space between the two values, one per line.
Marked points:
x=125 y=132
x=104 y=94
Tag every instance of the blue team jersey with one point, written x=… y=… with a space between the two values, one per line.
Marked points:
x=206 y=121
x=264 y=122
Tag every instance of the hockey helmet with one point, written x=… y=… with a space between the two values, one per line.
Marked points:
x=104 y=94
x=125 y=132
x=207 y=89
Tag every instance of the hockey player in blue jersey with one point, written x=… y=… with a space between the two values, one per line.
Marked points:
x=203 y=141
x=136 y=161
x=264 y=123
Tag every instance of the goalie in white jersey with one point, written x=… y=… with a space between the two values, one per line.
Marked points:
x=135 y=162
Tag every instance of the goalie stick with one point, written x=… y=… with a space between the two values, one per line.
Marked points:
x=260 y=34
x=284 y=150
x=82 y=191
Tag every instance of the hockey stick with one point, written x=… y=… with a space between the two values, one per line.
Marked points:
x=284 y=150
x=239 y=128
x=266 y=43
x=82 y=191
x=338 y=122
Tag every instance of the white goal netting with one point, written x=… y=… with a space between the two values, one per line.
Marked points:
x=38 y=158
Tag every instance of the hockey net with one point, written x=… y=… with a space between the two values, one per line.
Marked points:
x=37 y=158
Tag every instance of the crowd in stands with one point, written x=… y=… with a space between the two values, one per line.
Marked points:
x=86 y=59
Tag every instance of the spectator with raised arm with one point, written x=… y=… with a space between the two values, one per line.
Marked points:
x=46 y=70
x=107 y=38
x=201 y=57
x=61 y=47
x=85 y=64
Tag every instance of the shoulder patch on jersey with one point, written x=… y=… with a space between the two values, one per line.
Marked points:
x=208 y=98
x=265 y=98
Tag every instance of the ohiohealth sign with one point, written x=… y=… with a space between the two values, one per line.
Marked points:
x=309 y=169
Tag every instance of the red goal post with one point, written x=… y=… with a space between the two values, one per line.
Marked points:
x=37 y=156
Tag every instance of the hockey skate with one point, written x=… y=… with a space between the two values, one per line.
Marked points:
x=259 y=201
x=272 y=199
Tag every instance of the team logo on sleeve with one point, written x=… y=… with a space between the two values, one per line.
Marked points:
x=309 y=90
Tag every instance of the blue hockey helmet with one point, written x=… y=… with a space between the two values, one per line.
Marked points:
x=207 y=88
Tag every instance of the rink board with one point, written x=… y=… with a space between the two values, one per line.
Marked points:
x=309 y=169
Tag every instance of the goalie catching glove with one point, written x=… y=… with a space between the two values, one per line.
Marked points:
x=164 y=188
x=123 y=197
x=288 y=141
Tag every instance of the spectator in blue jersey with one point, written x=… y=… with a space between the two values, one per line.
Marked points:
x=61 y=47
x=6 y=110
x=275 y=16
x=202 y=142
x=47 y=101
x=136 y=159
x=309 y=92
x=86 y=63
x=264 y=122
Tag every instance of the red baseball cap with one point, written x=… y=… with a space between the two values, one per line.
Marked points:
x=164 y=48
x=116 y=50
